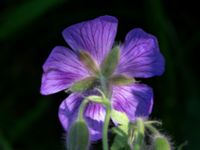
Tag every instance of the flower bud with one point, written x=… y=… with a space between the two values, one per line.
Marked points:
x=78 y=136
x=161 y=143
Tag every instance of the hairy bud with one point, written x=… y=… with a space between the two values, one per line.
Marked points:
x=161 y=143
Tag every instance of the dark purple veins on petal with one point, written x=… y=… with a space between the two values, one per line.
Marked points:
x=140 y=55
x=135 y=100
x=92 y=41
x=94 y=114
x=94 y=36
x=61 y=70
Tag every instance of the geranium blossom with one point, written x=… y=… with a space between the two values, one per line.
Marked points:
x=140 y=57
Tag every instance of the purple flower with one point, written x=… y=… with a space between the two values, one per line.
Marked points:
x=139 y=58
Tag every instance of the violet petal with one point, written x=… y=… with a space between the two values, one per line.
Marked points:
x=94 y=115
x=61 y=69
x=140 y=55
x=135 y=100
x=95 y=36
x=68 y=110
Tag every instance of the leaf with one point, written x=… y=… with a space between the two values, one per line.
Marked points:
x=119 y=143
x=121 y=80
x=120 y=140
x=89 y=63
x=120 y=118
x=110 y=62
x=83 y=84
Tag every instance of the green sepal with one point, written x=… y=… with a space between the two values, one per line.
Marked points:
x=161 y=143
x=121 y=131
x=83 y=84
x=89 y=63
x=121 y=80
x=110 y=62
x=78 y=136
x=94 y=98
x=136 y=134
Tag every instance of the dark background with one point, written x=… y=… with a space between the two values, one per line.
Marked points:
x=30 y=29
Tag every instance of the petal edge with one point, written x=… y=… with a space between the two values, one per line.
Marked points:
x=140 y=55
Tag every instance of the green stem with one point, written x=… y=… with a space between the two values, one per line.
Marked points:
x=103 y=84
x=139 y=134
x=152 y=129
x=105 y=127
x=82 y=107
x=153 y=122
x=107 y=104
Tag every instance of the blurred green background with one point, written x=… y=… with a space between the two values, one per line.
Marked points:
x=29 y=29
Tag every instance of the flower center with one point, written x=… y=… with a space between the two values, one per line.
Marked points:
x=105 y=70
x=103 y=75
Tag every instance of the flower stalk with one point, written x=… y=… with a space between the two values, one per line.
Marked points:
x=102 y=100
x=139 y=134
x=82 y=108
x=106 y=102
x=106 y=125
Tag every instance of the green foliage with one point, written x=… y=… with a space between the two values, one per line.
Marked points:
x=121 y=119
x=120 y=141
x=121 y=131
x=136 y=134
